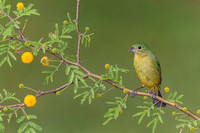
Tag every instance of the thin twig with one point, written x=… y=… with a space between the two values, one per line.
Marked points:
x=13 y=38
x=181 y=130
x=11 y=19
x=79 y=34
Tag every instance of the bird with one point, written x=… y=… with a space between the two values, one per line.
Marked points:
x=148 y=71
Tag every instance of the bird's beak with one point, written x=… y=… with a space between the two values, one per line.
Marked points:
x=131 y=49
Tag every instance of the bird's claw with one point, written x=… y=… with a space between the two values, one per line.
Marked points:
x=153 y=96
x=134 y=92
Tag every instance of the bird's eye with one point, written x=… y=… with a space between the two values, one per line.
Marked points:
x=139 y=47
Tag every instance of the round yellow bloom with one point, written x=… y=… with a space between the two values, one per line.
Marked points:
x=65 y=22
x=99 y=96
x=54 y=50
x=5 y=109
x=107 y=66
x=21 y=86
x=125 y=91
x=28 y=117
x=58 y=93
x=166 y=89
x=173 y=113
x=27 y=57
x=30 y=100
x=20 y=6
x=44 y=61
x=184 y=109
x=145 y=97
x=198 y=111
x=192 y=128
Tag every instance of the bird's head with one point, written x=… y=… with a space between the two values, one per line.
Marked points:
x=138 y=48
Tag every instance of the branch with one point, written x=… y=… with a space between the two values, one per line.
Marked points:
x=175 y=105
x=88 y=73
x=13 y=38
x=79 y=34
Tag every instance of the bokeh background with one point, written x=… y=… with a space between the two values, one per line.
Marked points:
x=170 y=28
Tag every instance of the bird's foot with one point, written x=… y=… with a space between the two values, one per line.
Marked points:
x=134 y=92
x=153 y=96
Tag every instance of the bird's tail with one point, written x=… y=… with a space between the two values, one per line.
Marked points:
x=158 y=103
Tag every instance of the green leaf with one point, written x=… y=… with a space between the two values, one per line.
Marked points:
x=84 y=98
x=142 y=107
x=9 y=117
x=67 y=70
x=151 y=122
x=160 y=118
x=5 y=92
x=57 y=30
x=12 y=55
x=75 y=84
x=179 y=97
x=79 y=72
x=3 y=61
x=82 y=80
x=108 y=120
x=31 y=130
x=33 y=116
x=35 y=126
x=78 y=95
x=12 y=98
x=65 y=37
x=141 y=117
x=109 y=112
x=154 y=126
x=9 y=63
x=46 y=80
x=174 y=95
x=111 y=103
x=20 y=119
x=181 y=125
x=22 y=127
x=47 y=71
x=74 y=67
x=138 y=114
x=11 y=108
x=71 y=77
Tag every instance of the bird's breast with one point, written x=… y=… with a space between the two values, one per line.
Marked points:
x=146 y=70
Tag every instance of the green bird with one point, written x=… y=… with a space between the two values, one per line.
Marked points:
x=148 y=70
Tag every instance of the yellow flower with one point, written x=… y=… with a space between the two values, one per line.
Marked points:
x=107 y=66
x=192 y=128
x=173 y=113
x=20 y=6
x=166 y=89
x=99 y=96
x=44 y=61
x=21 y=86
x=27 y=57
x=198 y=111
x=145 y=97
x=184 y=109
x=125 y=91
x=54 y=50
x=5 y=109
x=30 y=100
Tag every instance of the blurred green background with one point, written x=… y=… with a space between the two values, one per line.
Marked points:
x=170 y=28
